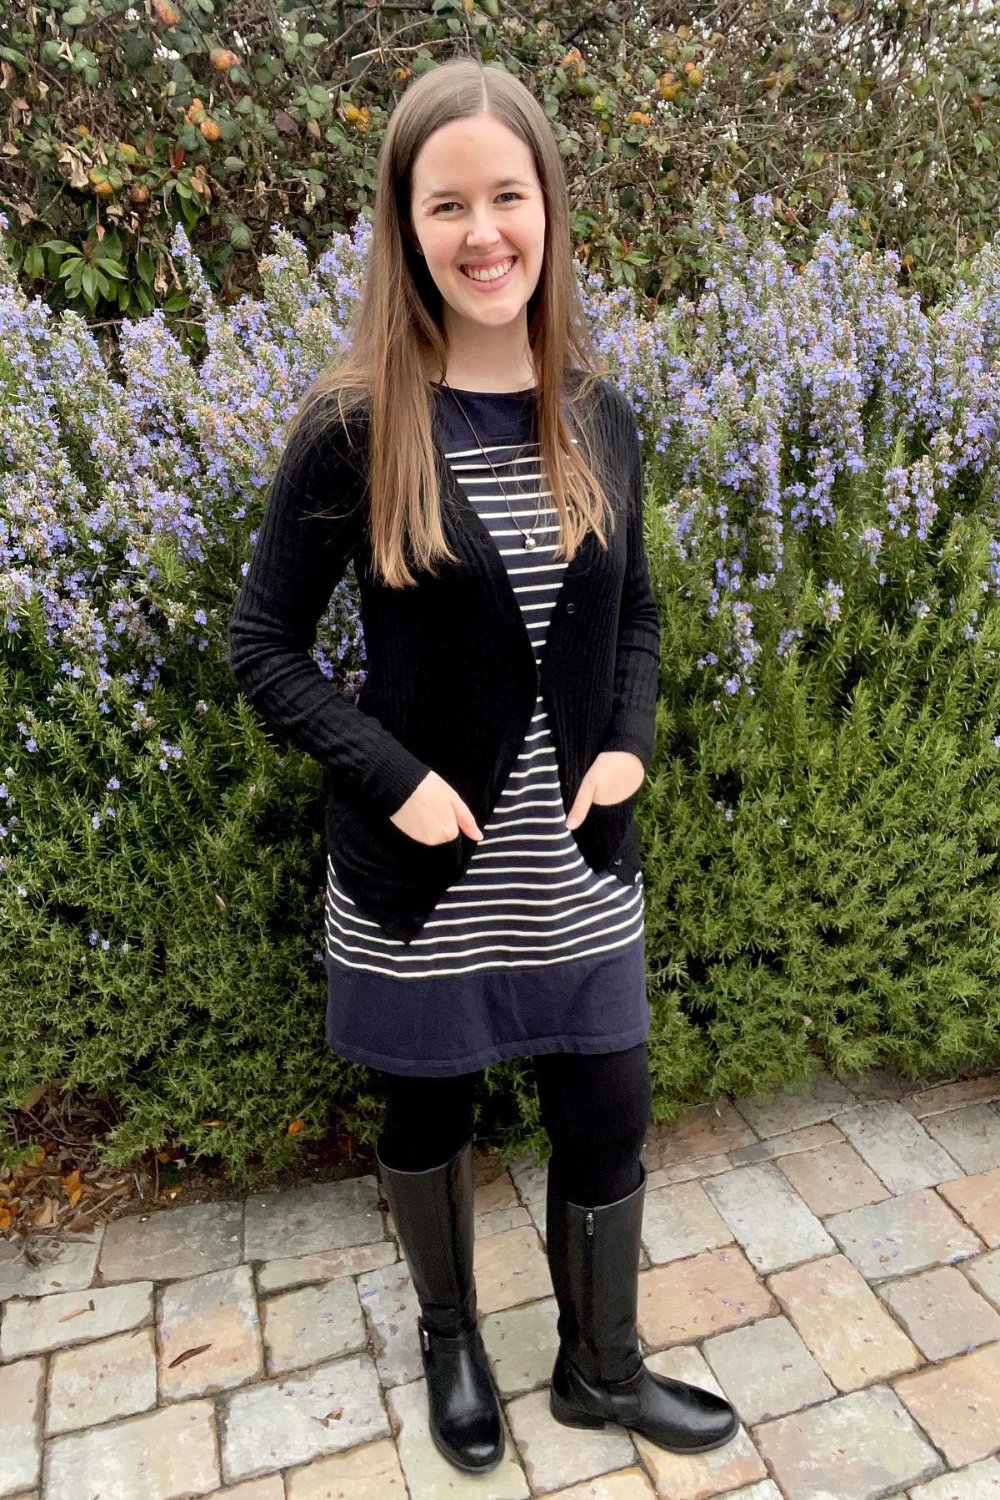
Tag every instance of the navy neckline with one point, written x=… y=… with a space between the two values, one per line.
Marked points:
x=532 y=390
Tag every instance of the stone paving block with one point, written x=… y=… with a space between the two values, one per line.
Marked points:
x=64 y=1265
x=690 y=1299
x=391 y=1307
x=306 y=1220
x=895 y=1146
x=371 y=1472
x=22 y=1388
x=624 y=1484
x=429 y=1475
x=790 y=1144
x=530 y=1182
x=978 y=1482
x=98 y=1382
x=271 y=1488
x=687 y=1171
x=766 y=1490
x=766 y=1370
x=218 y=1310
x=695 y=1476
x=948 y=1096
x=296 y=1418
x=902 y=1235
x=510 y=1268
x=941 y=1312
x=704 y=1130
x=984 y=1273
x=794 y=1111
x=833 y=1180
x=843 y=1324
x=977 y=1200
x=554 y=1455
x=304 y=1327
x=858 y=1447
x=958 y=1404
x=498 y=1206
x=501 y=1219
x=172 y=1243
x=168 y=1454
x=679 y=1221
x=301 y=1270
x=66 y=1318
x=767 y=1216
x=522 y=1344
x=878 y=1084
x=970 y=1135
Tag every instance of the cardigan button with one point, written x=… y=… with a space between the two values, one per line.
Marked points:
x=570 y=608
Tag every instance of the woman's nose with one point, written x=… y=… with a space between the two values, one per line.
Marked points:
x=483 y=231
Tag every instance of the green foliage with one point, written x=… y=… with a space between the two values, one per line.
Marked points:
x=229 y=118
x=822 y=856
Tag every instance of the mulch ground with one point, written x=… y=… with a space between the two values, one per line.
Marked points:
x=65 y=1188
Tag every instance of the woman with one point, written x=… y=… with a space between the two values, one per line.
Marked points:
x=484 y=894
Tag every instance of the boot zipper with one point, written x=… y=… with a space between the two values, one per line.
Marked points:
x=589 y=1224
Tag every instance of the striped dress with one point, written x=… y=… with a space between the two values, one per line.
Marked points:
x=530 y=951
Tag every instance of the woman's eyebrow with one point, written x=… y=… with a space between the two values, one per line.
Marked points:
x=457 y=192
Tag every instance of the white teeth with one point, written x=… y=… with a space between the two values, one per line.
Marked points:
x=493 y=274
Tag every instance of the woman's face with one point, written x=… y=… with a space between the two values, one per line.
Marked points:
x=476 y=205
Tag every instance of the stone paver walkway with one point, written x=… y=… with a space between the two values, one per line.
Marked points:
x=830 y=1261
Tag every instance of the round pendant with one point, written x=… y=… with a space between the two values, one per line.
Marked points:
x=530 y=542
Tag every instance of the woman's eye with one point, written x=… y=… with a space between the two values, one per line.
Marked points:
x=455 y=205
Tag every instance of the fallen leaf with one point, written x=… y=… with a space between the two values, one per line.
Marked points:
x=295 y=1127
x=45 y=1215
x=188 y=1354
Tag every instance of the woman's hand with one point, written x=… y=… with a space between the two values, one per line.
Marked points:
x=435 y=813
x=615 y=775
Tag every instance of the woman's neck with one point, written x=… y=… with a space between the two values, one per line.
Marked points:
x=483 y=359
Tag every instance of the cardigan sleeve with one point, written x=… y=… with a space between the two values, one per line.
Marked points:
x=637 y=656
x=297 y=563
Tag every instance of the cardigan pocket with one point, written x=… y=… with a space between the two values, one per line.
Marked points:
x=381 y=867
x=608 y=838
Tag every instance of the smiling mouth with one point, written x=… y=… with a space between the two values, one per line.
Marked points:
x=494 y=273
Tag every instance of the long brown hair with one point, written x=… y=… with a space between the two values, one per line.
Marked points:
x=398 y=335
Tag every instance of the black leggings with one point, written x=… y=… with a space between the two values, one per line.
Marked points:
x=594 y=1106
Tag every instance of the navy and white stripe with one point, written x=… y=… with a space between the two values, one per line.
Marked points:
x=527 y=899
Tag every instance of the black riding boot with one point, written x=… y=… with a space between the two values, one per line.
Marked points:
x=599 y=1374
x=433 y=1213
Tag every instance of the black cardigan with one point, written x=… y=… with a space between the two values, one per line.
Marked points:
x=451 y=677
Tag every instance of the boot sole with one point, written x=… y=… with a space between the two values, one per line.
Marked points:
x=572 y=1416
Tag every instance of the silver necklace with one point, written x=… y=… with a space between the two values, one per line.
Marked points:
x=528 y=536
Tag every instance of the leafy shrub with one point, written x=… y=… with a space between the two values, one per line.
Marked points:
x=124 y=120
x=820 y=819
